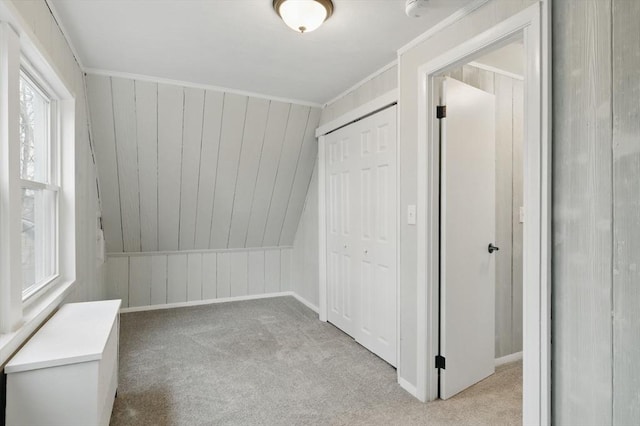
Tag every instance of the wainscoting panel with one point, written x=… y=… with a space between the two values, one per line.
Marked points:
x=154 y=279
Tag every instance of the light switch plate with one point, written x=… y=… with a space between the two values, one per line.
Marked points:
x=411 y=214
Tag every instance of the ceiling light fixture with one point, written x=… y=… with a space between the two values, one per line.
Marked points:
x=303 y=15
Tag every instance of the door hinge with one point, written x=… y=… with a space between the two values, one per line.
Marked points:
x=441 y=111
x=440 y=362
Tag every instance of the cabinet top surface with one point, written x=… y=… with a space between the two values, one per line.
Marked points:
x=78 y=332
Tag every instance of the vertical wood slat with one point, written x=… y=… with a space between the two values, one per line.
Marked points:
x=191 y=151
x=139 y=281
x=254 y=131
x=158 y=280
x=239 y=273
x=582 y=199
x=504 y=208
x=118 y=279
x=302 y=177
x=235 y=108
x=209 y=276
x=147 y=133
x=100 y=105
x=285 y=269
x=194 y=277
x=272 y=271
x=213 y=111
x=256 y=277
x=170 y=118
x=272 y=147
x=518 y=228
x=289 y=156
x=223 y=276
x=124 y=116
x=176 y=278
x=626 y=187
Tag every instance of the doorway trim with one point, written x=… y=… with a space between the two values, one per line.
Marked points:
x=533 y=23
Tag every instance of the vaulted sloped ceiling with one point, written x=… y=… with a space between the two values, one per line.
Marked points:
x=182 y=168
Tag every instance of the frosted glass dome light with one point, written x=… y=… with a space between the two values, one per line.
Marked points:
x=303 y=15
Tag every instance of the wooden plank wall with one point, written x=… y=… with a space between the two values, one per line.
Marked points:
x=509 y=192
x=184 y=168
x=626 y=212
x=145 y=279
x=582 y=362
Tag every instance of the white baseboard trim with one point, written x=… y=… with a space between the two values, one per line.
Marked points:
x=404 y=384
x=305 y=302
x=508 y=359
x=205 y=302
x=221 y=300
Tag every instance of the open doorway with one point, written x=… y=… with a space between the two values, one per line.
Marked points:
x=527 y=25
x=481 y=117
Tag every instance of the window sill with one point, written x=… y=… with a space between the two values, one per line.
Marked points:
x=34 y=315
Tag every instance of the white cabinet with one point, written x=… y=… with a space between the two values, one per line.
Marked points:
x=67 y=373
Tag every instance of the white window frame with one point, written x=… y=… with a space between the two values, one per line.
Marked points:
x=19 y=46
x=52 y=179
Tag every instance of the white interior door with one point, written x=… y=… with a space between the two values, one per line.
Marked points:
x=361 y=232
x=377 y=234
x=341 y=288
x=467 y=209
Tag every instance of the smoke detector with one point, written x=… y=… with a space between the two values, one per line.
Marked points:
x=416 y=8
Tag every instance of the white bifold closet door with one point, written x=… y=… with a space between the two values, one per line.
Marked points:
x=361 y=231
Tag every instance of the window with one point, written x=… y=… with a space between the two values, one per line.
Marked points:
x=39 y=185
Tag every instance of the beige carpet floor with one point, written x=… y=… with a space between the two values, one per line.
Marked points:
x=271 y=362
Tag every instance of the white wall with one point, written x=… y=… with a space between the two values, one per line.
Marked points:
x=89 y=275
x=377 y=84
x=305 y=272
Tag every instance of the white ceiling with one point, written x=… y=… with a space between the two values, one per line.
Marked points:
x=243 y=44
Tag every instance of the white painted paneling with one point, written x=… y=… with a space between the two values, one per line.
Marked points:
x=124 y=116
x=144 y=279
x=304 y=169
x=139 y=281
x=146 y=95
x=305 y=268
x=177 y=278
x=201 y=169
x=272 y=271
x=158 y=280
x=272 y=147
x=223 y=275
x=118 y=279
x=256 y=276
x=285 y=269
x=170 y=110
x=209 y=276
x=194 y=276
x=254 y=133
x=233 y=120
x=101 y=107
x=298 y=119
x=191 y=150
x=239 y=273
x=212 y=122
